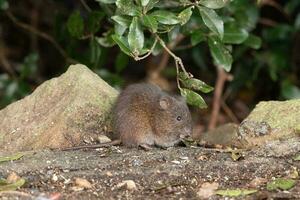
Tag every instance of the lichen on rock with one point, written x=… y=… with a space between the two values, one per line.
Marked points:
x=269 y=121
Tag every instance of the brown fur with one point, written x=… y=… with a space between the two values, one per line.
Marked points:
x=145 y=115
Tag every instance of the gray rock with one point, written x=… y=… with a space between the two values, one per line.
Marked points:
x=62 y=112
x=271 y=121
x=225 y=135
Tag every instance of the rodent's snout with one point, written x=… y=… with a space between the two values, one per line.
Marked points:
x=186 y=132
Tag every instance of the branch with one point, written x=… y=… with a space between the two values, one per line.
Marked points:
x=4 y=62
x=267 y=22
x=275 y=5
x=222 y=76
x=40 y=34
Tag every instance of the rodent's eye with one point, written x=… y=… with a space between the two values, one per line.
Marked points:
x=178 y=118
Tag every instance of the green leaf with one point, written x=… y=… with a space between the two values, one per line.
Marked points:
x=75 y=24
x=297 y=158
x=165 y=17
x=289 y=90
x=158 y=49
x=235 y=192
x=3 y=181
x=212 y=20
x=122 y=43
x=144 y=2
x=253 y=41
x=95 y=52
x=220 y=54
x=106 y=40
x=197 y=37
x=29 y=66
x=173 y=33
x=291 y=6
x=151 y=4
x=122 y=20
x=119 y=29
x=213 y=4
x=281 y=183
x=297 y=22
x=150 y=22
x=185 y=15
x=236 y=155
x=11 y=158
x=4 y=5
x=193 y=98
x=94 y=19
x=106 y=1
x=189 y=142
x=127 y=7
x=194 y=84
x=233 y=34
x=135 y=36
x=12 y=186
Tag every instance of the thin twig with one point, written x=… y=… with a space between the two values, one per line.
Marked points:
x=178 y=61
x=267 y=22
x=5 y=64
x=154 y=74
x=148 y=53
x=166 y=55
x=2 y=193
x=184 y=47
x=85 y=5
x=40 y=34
x=176 y=58
x=229 y=112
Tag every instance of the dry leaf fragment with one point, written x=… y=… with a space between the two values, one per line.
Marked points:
x=207 y=190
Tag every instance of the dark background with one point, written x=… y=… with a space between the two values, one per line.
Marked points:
x=35 y=45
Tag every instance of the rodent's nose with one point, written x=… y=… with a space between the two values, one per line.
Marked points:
x=186 y=132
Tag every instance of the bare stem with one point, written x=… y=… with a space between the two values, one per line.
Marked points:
x=148 y=53
x=178 y=61
x=40 y=34
x=176 y=58
x=86 y=6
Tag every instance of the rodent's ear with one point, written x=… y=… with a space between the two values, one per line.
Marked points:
x=164 y=102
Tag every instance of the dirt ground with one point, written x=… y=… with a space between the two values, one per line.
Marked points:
x=175 y=173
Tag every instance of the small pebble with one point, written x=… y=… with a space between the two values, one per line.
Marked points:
x=54 y=178
x=103 y=139
x=83 y=183
x=175 y=162
x=128 y=184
